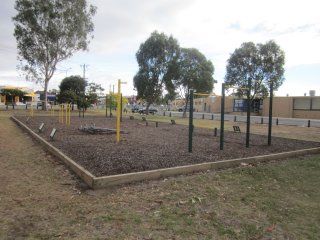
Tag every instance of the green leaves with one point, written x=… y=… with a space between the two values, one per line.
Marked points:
x=48 y=32
x=75 y=84
x=195 y=72
x=262 y=63
x=12 y=92
x=76 y=89
x=163 y=64
x=156 y=58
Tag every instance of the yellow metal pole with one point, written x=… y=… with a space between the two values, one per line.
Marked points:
x=59 y=113
x=69 y=113
x=118 y=111
x=67 y=110
x=62 y=109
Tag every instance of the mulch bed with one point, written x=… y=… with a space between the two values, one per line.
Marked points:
x=149 y=147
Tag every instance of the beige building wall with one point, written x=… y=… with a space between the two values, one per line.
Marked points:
x=284 y=107
x=212 y=104
x=306 y=114
x=281 y=107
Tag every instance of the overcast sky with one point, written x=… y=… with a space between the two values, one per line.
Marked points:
x=216 y=28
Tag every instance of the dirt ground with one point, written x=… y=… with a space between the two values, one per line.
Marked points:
x=150 y=147
x=41 y=199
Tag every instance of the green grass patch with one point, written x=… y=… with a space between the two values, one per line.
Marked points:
x=272 y=201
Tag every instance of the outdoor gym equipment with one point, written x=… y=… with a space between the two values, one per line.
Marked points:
x=191 y=94
x=248 y=114
x=270 y=114
x=67 y=109
x=119 y=110
x=61 y=110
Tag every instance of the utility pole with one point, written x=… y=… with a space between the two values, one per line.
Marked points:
x=84 y=66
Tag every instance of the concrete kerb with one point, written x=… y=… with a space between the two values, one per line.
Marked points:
x=106 y=181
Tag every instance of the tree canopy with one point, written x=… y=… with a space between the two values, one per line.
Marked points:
x=48 y=32
x=77 y=90
x=195 y=72
x=73 y=83
x=12 y=92
x=259 y=63
x=157 y=58
x=72 y=89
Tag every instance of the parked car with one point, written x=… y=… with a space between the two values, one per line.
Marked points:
x=19 y=104
x=136 y=108
x=151 y=110
x=181 y=109
x=39 y=104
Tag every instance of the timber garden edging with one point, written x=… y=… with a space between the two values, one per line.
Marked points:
x=112 y=180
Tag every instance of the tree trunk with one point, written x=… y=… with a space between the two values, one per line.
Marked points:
x=44 y=104
x=147 y=108
x=184 y=115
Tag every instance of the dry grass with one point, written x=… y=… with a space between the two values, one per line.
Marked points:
x=40 y=199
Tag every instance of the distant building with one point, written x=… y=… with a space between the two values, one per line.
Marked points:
x=51 y=97
x=28 y=95
x=287 y=107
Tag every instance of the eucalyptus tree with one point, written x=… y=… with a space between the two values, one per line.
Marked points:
x=258 y=64
x=195 y=72
x=157 y=59
x=48 y=32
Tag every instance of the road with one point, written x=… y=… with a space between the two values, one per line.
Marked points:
x=228 y=117
x=254 y=119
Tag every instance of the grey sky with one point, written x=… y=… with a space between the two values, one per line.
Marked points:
x=216 y=28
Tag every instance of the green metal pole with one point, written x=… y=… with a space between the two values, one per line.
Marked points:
x=270 y=114
x=110 y=105
x=222 y=116
x=190 y=120
x=248 y=112
x=106 y=106
x=79 y=108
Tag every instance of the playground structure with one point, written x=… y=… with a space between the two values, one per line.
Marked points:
x=103 y=145
x=119 y=110
x=248 y=122
x=248 y=88
x=64 y=113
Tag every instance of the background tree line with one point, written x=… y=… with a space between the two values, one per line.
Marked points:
x=163 y=65
x=48 y=32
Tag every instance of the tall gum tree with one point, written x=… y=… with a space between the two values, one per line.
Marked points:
x=259 y=63
x=48 y=32
x=157 y=58
x=195 y=72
